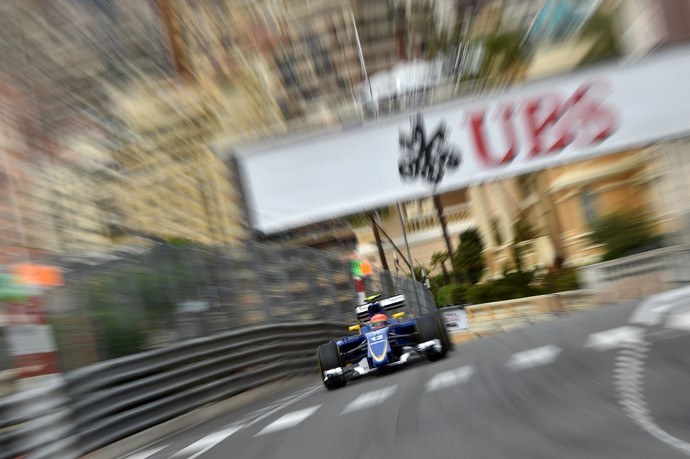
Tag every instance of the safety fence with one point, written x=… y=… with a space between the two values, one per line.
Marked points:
x=419 y=300
x=124 y=302
x=95 y=406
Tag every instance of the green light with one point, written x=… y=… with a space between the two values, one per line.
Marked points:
x=357 y=268
x=10 y=290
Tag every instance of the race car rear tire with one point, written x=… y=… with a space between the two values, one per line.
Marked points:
x=328 y=358
x=429 y=327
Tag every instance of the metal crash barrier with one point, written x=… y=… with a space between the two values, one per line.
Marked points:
x=38 y=422
x=95 y=406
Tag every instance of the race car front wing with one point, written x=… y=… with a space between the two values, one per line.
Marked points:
x=350 y=373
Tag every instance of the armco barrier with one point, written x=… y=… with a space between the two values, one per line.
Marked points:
x=8 y=382
x=98 y=405
x=37 y=421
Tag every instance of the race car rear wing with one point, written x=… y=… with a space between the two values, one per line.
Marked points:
x=389 y=304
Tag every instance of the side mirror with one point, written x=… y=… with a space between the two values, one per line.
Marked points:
x=354 y=327
x=398 y=315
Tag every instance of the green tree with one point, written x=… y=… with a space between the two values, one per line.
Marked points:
x=469 y=257
x=505 y=56
x=523 y=231
x=600 y=29
x=418 y=273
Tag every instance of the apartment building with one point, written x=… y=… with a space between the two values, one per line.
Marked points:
x=25 y=217
x=174 y=186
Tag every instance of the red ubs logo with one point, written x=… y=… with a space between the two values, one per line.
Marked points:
x=550 y=123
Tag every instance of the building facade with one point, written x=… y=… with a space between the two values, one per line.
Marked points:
x=423 y=231
x=25 y=216
x=175 y=187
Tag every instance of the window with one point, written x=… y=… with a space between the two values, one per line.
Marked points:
x=589 y=206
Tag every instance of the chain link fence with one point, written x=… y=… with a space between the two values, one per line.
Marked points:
x=130 y=302
x=419 y=300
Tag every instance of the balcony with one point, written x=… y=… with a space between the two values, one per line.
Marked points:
x=429 y=220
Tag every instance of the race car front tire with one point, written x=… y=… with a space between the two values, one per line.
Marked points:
x=328 y=358
x=429 y=327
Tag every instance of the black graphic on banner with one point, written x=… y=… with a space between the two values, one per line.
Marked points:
x=426 y=159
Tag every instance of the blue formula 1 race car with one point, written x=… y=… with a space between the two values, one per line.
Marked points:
x=382 y=343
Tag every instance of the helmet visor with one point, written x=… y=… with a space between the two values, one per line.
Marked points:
x=378 y=324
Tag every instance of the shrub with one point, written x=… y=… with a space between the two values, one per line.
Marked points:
x=622 y=233
x=452 y=294
x=119 y=325
x=480 y=293
x=562 y=280
x=120 y=334
x=511 y=286
x=437 y=282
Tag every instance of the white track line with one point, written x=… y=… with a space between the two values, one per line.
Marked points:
x=651 y=311
x=370 y=399
x=288 y=420
x=450 y=378
x=613 y=338
x=679 y=321
x=534 y=357
x=208 y=442
x=629 y=383
x=147 y=453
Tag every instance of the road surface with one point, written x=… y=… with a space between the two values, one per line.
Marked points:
x=609 y=383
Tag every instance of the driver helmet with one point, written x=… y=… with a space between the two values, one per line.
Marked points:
x=379 y=321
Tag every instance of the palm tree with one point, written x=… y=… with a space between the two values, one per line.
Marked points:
x=440 y=258
x=444 y=227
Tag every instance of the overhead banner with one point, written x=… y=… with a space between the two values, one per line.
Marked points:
x=604 y=110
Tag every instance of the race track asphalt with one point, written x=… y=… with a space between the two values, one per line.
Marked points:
x=588 y=385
